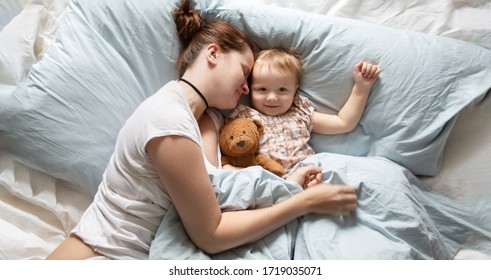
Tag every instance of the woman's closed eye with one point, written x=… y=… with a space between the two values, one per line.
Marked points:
x=247 y=71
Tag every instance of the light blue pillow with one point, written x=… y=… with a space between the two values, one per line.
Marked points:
x=425 y=81
x=8 y=10
x=110 y=55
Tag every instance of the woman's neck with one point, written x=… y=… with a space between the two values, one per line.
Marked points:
x=195 y=102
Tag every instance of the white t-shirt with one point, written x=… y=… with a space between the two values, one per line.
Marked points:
x=131 y=201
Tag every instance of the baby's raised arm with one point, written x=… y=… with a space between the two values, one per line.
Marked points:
x=365 y=75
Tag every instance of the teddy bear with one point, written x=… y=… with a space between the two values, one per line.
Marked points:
x=239 y=142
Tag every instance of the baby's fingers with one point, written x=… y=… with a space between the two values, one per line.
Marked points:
x=314 y=180
x=309 y=169
x=361 y=67
x=371 y=71
x=374 y=72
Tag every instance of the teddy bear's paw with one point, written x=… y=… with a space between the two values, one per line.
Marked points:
x=271 y=165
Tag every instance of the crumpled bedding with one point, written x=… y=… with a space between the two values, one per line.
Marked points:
x=249 y=188
x=397 y=217
x=38 y=210
x=26 y=36
x=466 y=20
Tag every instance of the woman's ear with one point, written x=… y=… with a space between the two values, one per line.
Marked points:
x=212 y=53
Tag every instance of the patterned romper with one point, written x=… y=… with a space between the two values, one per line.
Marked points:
x=285 y=137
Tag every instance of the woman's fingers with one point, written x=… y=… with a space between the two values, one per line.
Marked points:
x=333 y=199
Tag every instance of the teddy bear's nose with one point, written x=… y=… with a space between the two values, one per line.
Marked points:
x=241 y=144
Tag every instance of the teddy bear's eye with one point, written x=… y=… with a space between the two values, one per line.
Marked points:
x=243 y=132
x=231 y=137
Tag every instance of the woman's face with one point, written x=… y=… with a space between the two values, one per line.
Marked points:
x=234 y=71
x=272 y=90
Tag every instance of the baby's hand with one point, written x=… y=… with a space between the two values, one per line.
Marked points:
x=306 y=176
x=366 y=74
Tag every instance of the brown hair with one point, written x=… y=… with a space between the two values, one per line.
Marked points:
x=285 y=60
x=194 y=34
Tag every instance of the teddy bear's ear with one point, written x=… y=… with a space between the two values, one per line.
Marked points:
x=259 y=125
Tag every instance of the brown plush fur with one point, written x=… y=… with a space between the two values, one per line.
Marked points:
x=239 y=142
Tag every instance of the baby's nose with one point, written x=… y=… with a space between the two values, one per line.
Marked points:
x=272 y=96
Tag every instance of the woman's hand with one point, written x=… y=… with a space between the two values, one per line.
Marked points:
x=323 y=198
x=330 y=199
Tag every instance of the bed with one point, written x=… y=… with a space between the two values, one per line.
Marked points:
x=71 y=72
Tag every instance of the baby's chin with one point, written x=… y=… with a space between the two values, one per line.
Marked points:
x=271 y=113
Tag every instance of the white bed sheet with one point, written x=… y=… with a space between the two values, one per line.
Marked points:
x=37 y=210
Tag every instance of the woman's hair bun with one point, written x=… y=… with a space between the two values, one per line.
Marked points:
x=188 y=22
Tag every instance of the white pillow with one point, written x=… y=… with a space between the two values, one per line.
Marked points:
x=26 y=35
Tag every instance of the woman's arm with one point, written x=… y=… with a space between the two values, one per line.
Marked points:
x=179 y=163
x=365 y=75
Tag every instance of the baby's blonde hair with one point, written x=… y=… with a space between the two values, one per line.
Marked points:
x=285 y=60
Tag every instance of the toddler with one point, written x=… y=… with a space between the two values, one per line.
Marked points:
x=287 y=117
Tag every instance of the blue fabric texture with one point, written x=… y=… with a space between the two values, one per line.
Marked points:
x=396 y=218
x=109 y=56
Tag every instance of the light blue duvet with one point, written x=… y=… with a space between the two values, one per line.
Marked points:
x=397 y=217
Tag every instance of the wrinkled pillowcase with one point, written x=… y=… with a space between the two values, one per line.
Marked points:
x=425 y=80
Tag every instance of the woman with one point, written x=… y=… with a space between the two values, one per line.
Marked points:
x=159 y=159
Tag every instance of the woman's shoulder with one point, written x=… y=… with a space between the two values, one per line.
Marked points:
x=165 y=109
x=169 y=100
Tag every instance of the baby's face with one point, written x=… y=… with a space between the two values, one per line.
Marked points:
x=272 y=90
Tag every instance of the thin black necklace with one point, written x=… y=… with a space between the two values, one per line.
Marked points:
x=195 y=89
